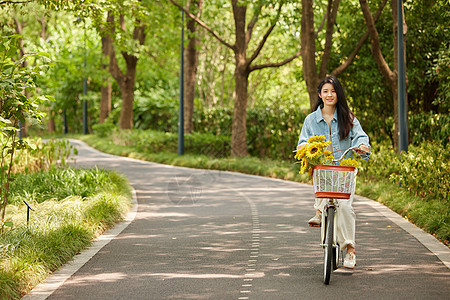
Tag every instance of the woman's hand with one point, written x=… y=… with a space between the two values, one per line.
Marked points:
x=363 y=149
x=300 y=146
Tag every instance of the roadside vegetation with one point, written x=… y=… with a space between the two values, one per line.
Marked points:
x=70 y=208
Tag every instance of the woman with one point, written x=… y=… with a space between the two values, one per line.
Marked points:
x=333 y=118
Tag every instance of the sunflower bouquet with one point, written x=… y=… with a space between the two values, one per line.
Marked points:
x=314 y=153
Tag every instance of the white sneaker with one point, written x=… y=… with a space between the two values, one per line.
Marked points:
x=316 y=220
x=350 y=260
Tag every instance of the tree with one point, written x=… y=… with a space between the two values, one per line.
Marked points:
x=191 y=63
x=391 y=76
x=125 y=80
x=308 y=45
x=244 y=60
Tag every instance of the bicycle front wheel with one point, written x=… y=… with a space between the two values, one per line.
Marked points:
x=328 y=249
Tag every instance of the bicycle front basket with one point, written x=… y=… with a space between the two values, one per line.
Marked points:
x=333 y=181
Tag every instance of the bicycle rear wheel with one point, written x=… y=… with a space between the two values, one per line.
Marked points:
x=328 y=249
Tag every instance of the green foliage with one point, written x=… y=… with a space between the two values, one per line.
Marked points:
x=151 y=141
x=156 y=111
x=59 y=228
x=103 y=129
x=44 y=155
x=429 y=126
x=59 y=183
x=418 y=185
x=18 y=103
x=425 y=171
x=271 y=131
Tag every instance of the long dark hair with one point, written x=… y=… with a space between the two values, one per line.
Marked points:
x=344 y=114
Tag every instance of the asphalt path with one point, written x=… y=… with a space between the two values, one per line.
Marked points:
x=199 y=234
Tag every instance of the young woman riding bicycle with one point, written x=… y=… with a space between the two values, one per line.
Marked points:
x=333 y=118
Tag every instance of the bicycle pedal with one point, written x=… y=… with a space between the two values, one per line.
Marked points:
x=314 y=225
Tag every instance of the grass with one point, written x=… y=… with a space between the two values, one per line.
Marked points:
x=432 y=215
x=66 y=219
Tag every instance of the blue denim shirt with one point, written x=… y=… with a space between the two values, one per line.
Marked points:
x=315 y=124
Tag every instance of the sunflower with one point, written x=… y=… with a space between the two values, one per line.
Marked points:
x=314 y=150
x=300 y=153
x=316 y=138
x=304 y=167
x=350 y=163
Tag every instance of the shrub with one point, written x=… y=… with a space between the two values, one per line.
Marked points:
x=103 y=129
x=425 y=171
x=428 y=126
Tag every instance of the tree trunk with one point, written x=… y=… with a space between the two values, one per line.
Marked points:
x=127 y=89
x=51 y=122
x=308 y=50
x=126 y=81
x=239 y=127
x=191 y=64
x=105 y=101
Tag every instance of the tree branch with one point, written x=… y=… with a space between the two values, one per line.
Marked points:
x=375 y=41
x=252 y=24
x=331 y=21
x=322 y=24
x=266 y=36
x=274 y=65
x=202 y=24
x=13 y=2
x=358 y=47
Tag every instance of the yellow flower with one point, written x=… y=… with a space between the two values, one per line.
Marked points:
x=313 y=151
x=327 y=153
x=304 y=167
x=300 y=153
x=349 y=162
x=317 y=138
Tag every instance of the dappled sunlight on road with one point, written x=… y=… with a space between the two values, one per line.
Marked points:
x=202 y=234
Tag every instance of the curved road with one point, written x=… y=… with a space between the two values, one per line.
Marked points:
x=219 y=235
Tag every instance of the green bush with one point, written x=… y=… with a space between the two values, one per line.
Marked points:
x=152 y=141
x=425 y=171
x=429 y=127
x=103 y=129
x=45 y=155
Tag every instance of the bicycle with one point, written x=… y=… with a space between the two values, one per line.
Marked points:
x=332 y=182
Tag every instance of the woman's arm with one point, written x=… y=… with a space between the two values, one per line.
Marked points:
x=360 y=139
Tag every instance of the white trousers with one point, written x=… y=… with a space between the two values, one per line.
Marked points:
x=345 y=219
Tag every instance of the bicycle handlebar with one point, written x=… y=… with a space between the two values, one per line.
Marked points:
x=347 y=151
